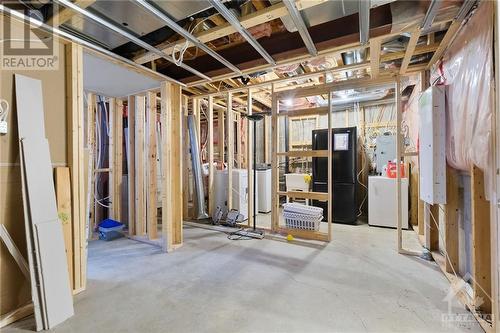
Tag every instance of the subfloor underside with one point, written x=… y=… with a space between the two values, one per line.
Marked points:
x=357 y=283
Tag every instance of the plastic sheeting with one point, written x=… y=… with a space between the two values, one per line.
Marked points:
x=467 y=72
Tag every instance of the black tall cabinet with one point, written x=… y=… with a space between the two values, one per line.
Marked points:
x=344 y=172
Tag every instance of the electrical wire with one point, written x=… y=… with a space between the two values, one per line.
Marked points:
x=182 y=48
x=4 y=109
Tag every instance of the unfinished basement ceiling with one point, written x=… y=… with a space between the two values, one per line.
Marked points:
x=223 y=53
x=140 y=24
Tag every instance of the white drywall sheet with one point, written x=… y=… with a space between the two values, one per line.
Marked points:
x=29 y=105
x=110 y=79
x=58 y=298
x=45 y=240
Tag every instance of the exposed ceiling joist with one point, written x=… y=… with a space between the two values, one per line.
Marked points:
x=446 y=14
x=181 y=31
x=261 y=16
x=233 y=20
x=419 y=49
x=375 y=45
x=127 y=35
x=410 y=49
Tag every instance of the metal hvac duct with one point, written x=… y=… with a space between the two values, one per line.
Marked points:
x=195 y=159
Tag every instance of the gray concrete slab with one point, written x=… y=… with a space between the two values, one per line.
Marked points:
x=357 y=283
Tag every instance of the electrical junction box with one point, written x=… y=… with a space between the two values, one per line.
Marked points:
x=432 y=145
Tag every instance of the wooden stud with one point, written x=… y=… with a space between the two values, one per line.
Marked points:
x=238 y=141
x=451 y=220
x=131 y=115
x=274 y=163
x=62 y=184
x=74 y=103
x=117 y=158
x=151 y=163
x=210 y=122
x=91 y=138
x=481 y=243
x=421 y=215
x=140 y=198
x=230 y=151
x=172 y=197
x=267 y=125
x=410 y=50
x=399 y=153
x=375 y=45
x=250 y=148
x=111 y=157
x=431 y=232
x=185 y=161
x=220 y=128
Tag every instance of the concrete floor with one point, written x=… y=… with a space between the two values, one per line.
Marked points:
x=357 y=283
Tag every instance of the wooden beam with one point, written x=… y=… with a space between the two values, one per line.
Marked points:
x=131 y=165
x=305 y=234
x=481 y=243
x=140 y=162
x=451 y=220
x=410 y=50
x=305 y=195
x=340 y=85
x=375 y=45
x=262 y=16
x=419 y=49
x=65 y=14
x=172 y=193
x=304 y=153
x=321 y=110
x=151 y=215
